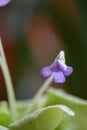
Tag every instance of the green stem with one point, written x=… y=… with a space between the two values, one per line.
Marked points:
x=8 y=81
x=40 y=92
x=44 y=87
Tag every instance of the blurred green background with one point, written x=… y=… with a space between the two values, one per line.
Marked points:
x=33 y=32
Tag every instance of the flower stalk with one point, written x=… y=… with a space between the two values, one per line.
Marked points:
x=44 y=87
x=8 y=82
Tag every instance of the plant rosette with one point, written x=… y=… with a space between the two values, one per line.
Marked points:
x=54 y=110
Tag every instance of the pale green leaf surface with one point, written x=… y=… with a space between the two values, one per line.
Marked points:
x=46 y=118
x=78 y=105
x=3 y=128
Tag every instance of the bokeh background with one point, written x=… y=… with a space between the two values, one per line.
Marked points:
x=33 y=32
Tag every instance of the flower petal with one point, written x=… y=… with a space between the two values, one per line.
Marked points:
x=46 y=72
x=59 y=77
x=54 y=66
x=4 y=2
x=62 y=65
x=68 y=71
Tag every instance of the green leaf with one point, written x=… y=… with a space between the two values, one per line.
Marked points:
x=46 y=118
x=78 y=105
x=5 y=118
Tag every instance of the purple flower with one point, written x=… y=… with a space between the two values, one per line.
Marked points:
x=59 y=69
x=4 y=2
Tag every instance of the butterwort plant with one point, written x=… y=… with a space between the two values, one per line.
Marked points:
x=54 y=110
x=32 y=114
